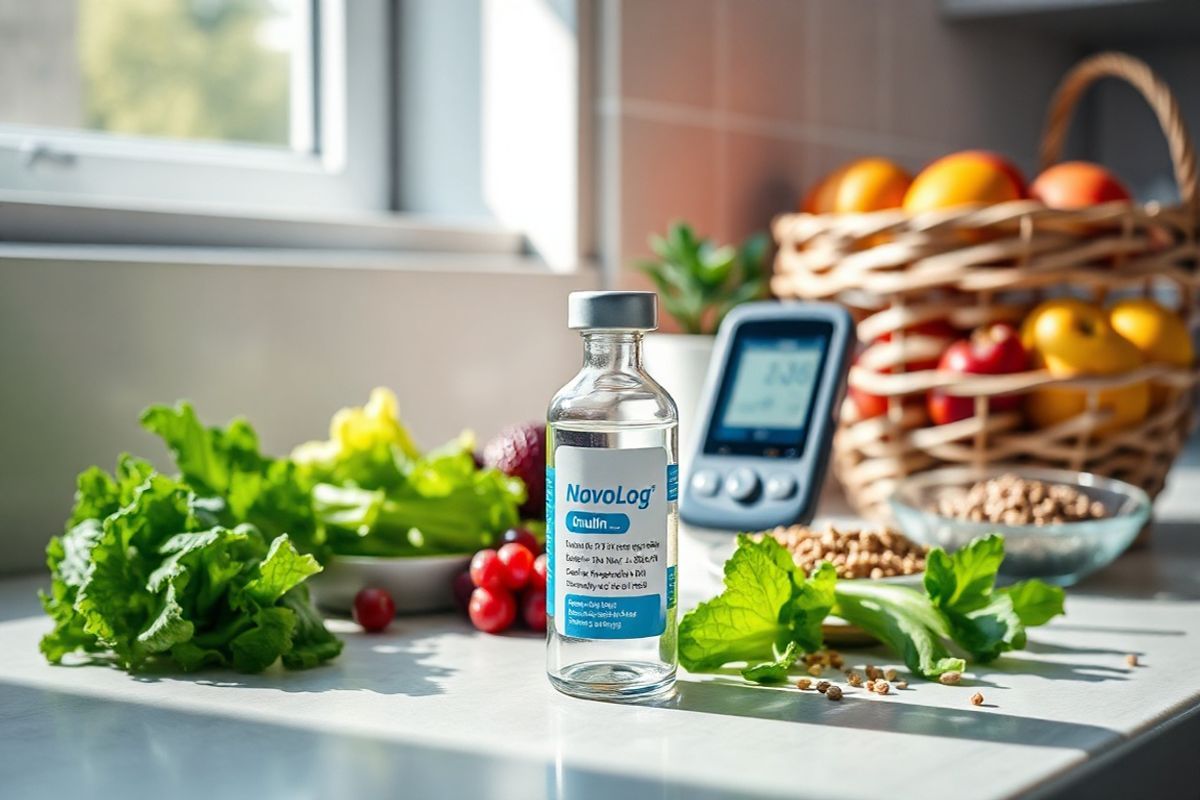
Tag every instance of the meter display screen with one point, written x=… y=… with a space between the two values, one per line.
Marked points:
x=770 y=380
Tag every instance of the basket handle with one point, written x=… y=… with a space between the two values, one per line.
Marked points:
x=1157 y=94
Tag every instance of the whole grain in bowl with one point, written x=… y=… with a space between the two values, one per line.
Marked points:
x=1013 y=500
x=854 y=553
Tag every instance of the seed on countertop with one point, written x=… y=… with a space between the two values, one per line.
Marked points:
x=869 y=686
x=815 y=670
x=949 y=678
x=823 y=686
x=891 y=674
x=803 y=683
x=977 y=699
x=874 y=672
x=835 y=659
x=882 y=687
x=854 y=679
x=834 y=693
x=901 y=684
x=1131 y=659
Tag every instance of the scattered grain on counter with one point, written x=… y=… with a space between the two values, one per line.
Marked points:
x=869 y=686
x=902 y=684
x=873 y=672
x=977 y=699
x=834 y=693
x=854 y=679
x=891 y=674
x=1013 y=500
x=868 y=553
x=815 y=670
x=803 y=683
x=950 y=678
x=1131 y=659
x=823 y=686
x=882 y=687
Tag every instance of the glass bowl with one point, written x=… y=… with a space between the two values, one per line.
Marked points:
x=1059 y=553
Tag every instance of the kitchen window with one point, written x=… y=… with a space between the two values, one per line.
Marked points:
x=248 y=104
x=418 y=126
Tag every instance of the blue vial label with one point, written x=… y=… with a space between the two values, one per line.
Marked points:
x=672 y=482
x=550 y=541
x=607 y=529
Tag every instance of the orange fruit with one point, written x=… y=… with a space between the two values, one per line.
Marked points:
x=969 y=177
x=1158 y=332
x=867 y=184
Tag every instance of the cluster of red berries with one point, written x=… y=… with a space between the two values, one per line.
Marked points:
x=504 y=583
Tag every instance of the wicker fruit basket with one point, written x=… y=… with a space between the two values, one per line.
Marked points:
x=974 y=265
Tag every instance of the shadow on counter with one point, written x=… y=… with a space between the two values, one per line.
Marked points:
x=855 y=711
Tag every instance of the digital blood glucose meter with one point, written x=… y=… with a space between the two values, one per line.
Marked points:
x=767 y=415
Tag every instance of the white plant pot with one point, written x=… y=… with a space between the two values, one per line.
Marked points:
x=680 y=363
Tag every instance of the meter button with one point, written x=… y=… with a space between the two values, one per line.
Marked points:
x=742 y=485
x=780 y=486
x=706 y=482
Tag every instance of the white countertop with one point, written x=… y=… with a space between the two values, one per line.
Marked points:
x=434 y=709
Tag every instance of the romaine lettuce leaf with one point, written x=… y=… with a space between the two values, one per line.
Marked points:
x=753 y=618
x=904 y=620
x=159 y=569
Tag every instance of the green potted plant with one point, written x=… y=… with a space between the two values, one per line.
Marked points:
x=698 y=283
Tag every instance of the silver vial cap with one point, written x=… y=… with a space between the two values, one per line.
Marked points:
x=637 y=311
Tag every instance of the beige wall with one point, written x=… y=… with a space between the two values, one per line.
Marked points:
x=723 y=111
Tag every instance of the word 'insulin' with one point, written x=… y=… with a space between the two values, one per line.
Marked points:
x=619 y=496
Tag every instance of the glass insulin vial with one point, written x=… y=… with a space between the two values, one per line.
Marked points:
x=612 y=510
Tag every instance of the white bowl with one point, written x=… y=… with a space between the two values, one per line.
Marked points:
x=419 y=584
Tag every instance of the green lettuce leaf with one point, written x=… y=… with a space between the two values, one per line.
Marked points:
x=265 y=641
x=153 y=568
x=282 y=570
x=312 y=643
x=765 y=604
x=811 y=604
x=225 y=463
x=964 y=581
x=904 y=620
x=982 y=621
x=773 y=671
x=1035 y=602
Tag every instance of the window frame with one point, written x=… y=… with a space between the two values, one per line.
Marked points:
x=346 y=142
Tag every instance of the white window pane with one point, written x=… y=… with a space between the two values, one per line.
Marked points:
x=208 y=70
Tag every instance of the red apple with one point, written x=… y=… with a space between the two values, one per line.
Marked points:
x=994 y=349
x=868 y=405
x=1077 y=184
x=873 y=405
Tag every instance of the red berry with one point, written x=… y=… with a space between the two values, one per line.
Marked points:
x=520 y=451
x=537 y=579
x=492 y=610
x=373 y=609
x=462 y=586
x=518 y=564
x=522 y=536
x=486 y=570
x=533 y=609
